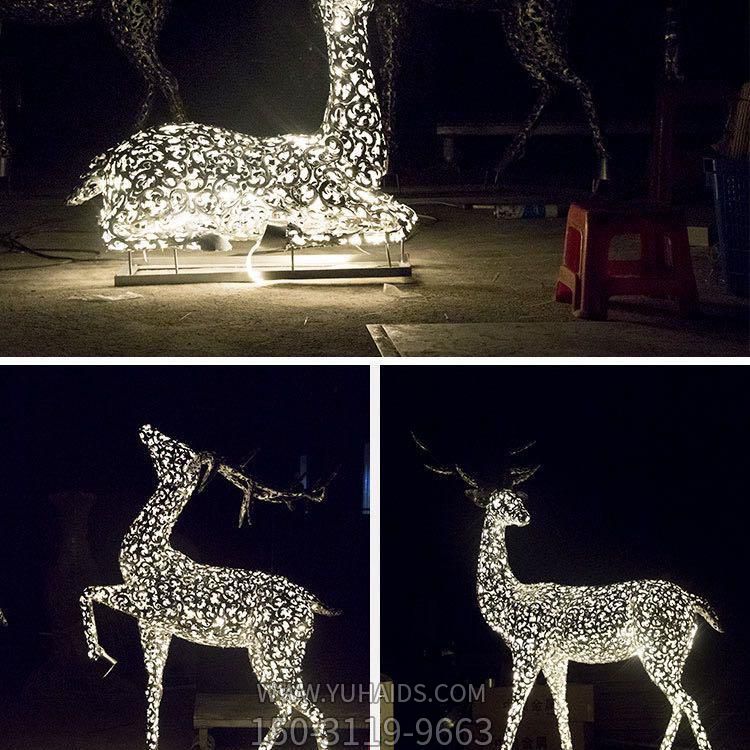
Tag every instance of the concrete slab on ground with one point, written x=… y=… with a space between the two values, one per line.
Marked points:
x=573 y=339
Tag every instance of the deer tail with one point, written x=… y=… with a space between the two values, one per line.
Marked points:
x=90 y=181
x=319 y=608
x=706 y=611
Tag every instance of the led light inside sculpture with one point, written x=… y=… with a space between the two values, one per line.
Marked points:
x=193 y=184
x=536 y=32
x=547 y=625
x=135 y=26
x=171 y=595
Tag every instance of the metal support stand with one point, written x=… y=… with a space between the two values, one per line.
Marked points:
x=199 y=269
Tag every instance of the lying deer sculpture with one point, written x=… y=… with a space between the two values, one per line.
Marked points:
x=171 y=595
x=547 y=625
x=135 y=26
x=198 y=185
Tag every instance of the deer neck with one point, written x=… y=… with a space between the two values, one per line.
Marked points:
x=497 y=587
x=152 y=529
x=353 y=111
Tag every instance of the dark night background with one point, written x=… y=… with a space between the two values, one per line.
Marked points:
x=644 y=475
x=260 y=67
x=76 y=429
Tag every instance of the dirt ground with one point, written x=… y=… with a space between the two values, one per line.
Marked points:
x=468 y=268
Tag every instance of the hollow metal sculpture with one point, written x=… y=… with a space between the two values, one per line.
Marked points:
x=135 y=26
x=171 y=595
x=547 y=625
x=536 y=32
x=184 y=185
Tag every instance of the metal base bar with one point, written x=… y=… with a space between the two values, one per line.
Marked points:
x=152 y=275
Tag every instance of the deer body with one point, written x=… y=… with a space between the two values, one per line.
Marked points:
x=171 y=595
x=171 y=186
x=547 y=625
x=135 y=26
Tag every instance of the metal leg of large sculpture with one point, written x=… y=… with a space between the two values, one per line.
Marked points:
x=515 y=149
x=4 y=142
x=135 y=28
x=389 y=18
x=536 y=31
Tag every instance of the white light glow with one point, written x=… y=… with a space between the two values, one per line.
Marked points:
x=169 y=187
x=170 y=595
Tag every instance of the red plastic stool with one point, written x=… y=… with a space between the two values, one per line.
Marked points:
x=588 y=277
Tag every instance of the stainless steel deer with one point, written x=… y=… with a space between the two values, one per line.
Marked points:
x=171 y=595
x=547 y=625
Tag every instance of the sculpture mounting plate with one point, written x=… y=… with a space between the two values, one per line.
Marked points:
x=234 y=270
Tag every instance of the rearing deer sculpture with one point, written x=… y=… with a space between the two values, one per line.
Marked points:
x=547 y=625
x=171 y=595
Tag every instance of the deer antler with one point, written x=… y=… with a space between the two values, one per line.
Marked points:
x=514 y=476
x=254 y=490
x=446 y=471
x=519 y=474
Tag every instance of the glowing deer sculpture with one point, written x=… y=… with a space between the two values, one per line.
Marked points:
x=547 y=625
x=170 y=595
x=198 y=185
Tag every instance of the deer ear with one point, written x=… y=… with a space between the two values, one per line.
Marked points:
x=476 y=497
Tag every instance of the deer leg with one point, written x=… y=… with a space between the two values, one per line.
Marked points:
x=115 y=597
x=524 y=676
x=135 y=26
x=4 y=142
x=557 y=676
x=519 y=141
x=587 y=99
x=665 y=670
x=278 y=665
x=155 y=649
x=313 y=714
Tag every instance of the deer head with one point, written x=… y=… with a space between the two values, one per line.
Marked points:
x=504 y=504
x=338 y=15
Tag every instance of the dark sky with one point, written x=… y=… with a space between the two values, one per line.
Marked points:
x=260 y=67
x=644 y=475
x=70 y=429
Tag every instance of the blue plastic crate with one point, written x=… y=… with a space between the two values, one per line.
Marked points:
x=729 y=180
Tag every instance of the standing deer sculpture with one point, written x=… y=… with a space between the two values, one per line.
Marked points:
x=171 y=595
x=536 y=32
x=135 y=26
x=547 y=625
x=198 y=185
